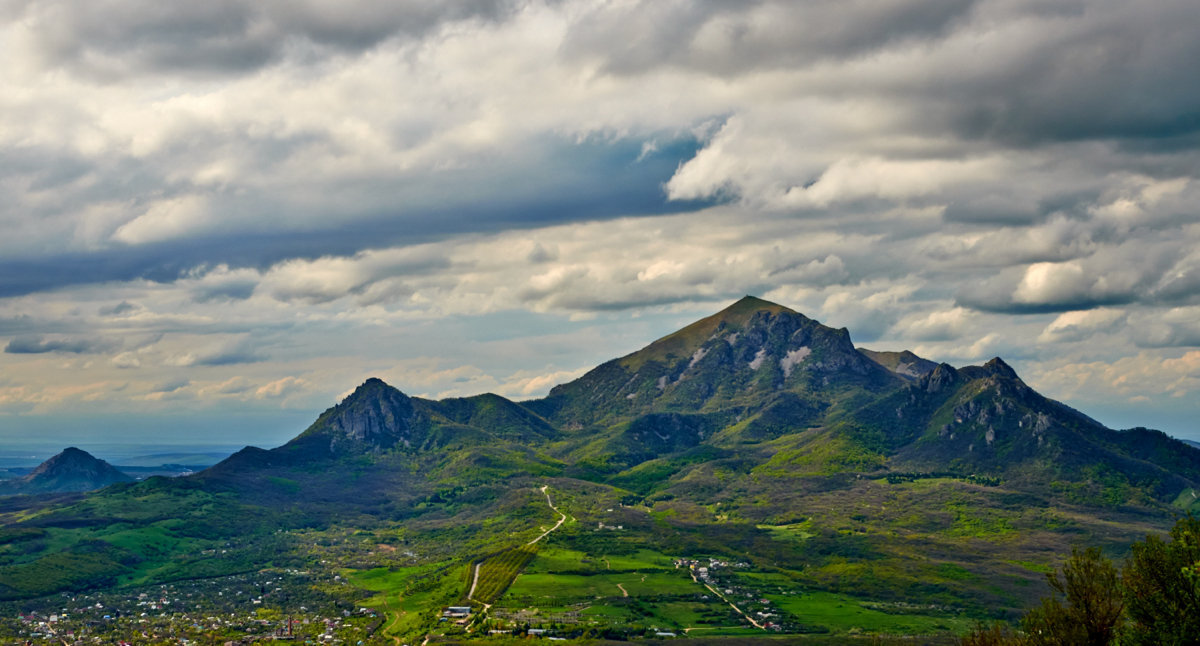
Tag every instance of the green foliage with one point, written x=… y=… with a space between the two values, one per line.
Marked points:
x=1090 y=613
x=497 y=572
x=831 y=455
x=1187 y=500
x=973 y=521
x=900 y=477
x=286 y=485
x=996 y=634
x=1162 y=588
x=87 y=565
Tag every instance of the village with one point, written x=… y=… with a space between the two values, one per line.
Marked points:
x=715 y=574
x=282 y=605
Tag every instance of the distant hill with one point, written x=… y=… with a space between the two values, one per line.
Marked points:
x=71 y=470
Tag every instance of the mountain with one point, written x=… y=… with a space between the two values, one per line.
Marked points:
x=755 y=435
x=759 y=382
x=71 y=470
x=734 y=360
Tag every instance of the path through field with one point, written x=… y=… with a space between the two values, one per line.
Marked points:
x=562 y=517
x=474 y=581
x=387 y=609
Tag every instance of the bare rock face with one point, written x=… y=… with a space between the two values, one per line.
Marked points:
x=374 y=417
x=940 y=378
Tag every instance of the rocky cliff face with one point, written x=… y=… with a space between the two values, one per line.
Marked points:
x=374 y=417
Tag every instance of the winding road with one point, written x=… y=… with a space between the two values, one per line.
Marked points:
x=562 y=517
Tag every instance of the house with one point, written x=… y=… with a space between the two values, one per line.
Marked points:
x=457 y=611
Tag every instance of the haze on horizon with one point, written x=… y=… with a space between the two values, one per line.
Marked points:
x=221 y=217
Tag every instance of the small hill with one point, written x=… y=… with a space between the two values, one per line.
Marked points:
x=71 y=470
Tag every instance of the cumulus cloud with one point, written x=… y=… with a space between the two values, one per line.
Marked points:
x=280 y=388
x=942 y=325
x=1081 y=325
x=1175 y=327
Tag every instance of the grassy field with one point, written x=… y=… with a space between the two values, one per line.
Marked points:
x=843 y=614
x=572 y=588
x=410 y=598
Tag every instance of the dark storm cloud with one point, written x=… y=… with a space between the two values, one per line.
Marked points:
x=1002 y=303
x=560 y=182
x=171 y=386
x=231 y=357
x=238 y=290
x=1076 y=71
x=737 y=36
x=1118 y=71
x=1179 y=336
x=111 y=39
x=124 y=307
x=992 y=210
x=39 y=345
x=20 y=324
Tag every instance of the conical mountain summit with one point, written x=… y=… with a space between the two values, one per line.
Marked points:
x=71 y=470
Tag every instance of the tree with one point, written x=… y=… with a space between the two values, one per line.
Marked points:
x=1162 y=587
x=1094 y=605
x=997 y=634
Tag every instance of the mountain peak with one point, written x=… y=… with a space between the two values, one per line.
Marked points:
x=751 y=350
x=72 y=469
x=734 y=318
x=373 y=385
x=998 y=367
x=750 y=304
x=69 y=458
x=374 y=416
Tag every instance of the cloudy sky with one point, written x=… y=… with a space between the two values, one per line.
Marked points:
x=221 y=216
